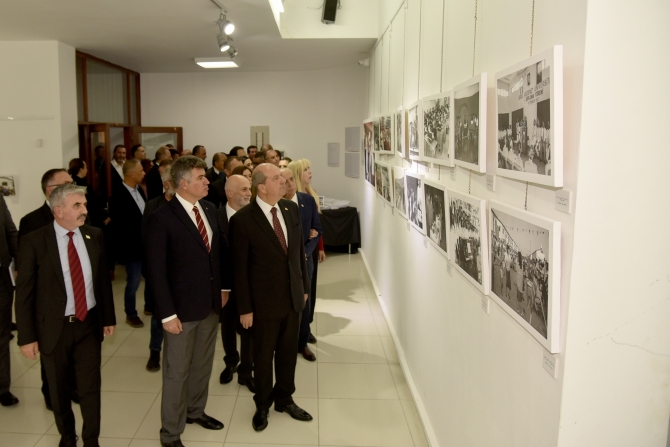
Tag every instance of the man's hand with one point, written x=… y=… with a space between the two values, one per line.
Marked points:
x=224 y=298
x=30 y=350
x=247 y=320
x=322 y=256
x=313 y=233
x=306 y=297
x=108 y=331
x=173 y=326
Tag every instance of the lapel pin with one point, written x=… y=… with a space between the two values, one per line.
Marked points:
x=88 y=237
x=302 y=206
x=286 y=209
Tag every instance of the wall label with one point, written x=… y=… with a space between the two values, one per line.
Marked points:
x=449 y=268
x=564 y=201
x=452 y=173
x=491 y=182
x=549 y=362
x=485 y=303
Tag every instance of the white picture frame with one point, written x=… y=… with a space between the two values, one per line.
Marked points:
x=515 y=231
x=368 y=151
x=470 y=123
x=435 y=203
x=383 y=182
x=437 y=144
x=529 y=119
x=414 y=201
x=399 y=190
x=386 y=134
x=400 y=124
x=414 y=131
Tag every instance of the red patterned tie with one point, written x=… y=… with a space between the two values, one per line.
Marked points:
x=201 y=227
x=78 y=284
x=278 y=230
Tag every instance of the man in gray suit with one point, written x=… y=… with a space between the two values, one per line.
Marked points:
x=9 y=248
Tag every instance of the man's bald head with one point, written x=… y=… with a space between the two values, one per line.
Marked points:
x=290 y=183
x=238 y=191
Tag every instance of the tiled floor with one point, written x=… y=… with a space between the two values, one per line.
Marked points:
x=355 y=390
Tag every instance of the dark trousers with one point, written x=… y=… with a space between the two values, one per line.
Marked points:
x=230 y=327
x=307 y=313
x=312 y=293
x=78 y=349
x=134 y=277
x=275 y=338
x=156 y=340
x=6 y=298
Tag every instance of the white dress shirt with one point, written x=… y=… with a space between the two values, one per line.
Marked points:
x=294 y=199
x=63 y=240
x=135 y=194
x=266 y=210
x=229 y=211
x=118 y=167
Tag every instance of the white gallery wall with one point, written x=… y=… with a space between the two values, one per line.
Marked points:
x=38 y=91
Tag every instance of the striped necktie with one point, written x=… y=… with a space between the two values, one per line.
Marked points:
x=78 y=284
x=201 y=227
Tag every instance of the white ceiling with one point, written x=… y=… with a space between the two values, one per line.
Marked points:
x=152 y=36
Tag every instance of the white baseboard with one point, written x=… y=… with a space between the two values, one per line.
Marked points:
x=418 y=402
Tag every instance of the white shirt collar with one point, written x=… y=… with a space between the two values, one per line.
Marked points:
x=294 y=199
x=216 y=171
x=62 y=232
x=229 y=211
x=265 y=206
x=188 y=206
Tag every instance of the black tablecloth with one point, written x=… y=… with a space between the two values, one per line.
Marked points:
x=341 y=227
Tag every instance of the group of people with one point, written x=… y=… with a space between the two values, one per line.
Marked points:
x=526 y=150
x=436 y=129
x=464 y=224
x=236 y=244
x=467 y=136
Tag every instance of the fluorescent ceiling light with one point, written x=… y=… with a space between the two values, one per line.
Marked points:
x=215 y=62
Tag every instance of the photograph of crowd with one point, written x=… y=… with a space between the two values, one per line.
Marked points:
x=467 y=238
x=7 y=186
x=375 y=125
x=383 y=181
x=386 y=134
x=399 y=189
x=368 y=152
x=526 y=121
x=436 y=219
x=470 y=124
x=414 y=200
x=437 y=129
x=400 y=131
x=414 y=131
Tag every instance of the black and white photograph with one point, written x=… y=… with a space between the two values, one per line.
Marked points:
x=383 y=181
x=386 y=134
x=376 y=134
x=400 y=132
x=368 y=151
x=436 y=218
x=399 y=190
x=414 y=200
x=470 y=124
x=437 y=135
x=414 y=129
x=529 y=101
x=7 y=185
x=524 y=269
x=468 y=249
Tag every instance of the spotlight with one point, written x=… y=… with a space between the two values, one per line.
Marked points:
x=227 y=27
x=224 y=42
x=232 y=52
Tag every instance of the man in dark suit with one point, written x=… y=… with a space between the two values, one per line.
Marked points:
x=189 y=272
x=126 y=207
x=200 y=151
x=216 y=171
x=271 y=287
x=9 y=248
x=118 y=159
x=64 y=307
x=156 y=340
x=311 y=231
x=217 y=189
x=154 y=181
x=238 y=191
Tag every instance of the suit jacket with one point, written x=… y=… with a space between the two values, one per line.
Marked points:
x=126 y=225
x=212 y=176
x=217 y=193
x=309 y=216
x=40 y=287
x=185 y=279
x=267 y=281
x=35 y=220
x=9 y=237
x=154 y=183
x=117 y=180
x=149 y=209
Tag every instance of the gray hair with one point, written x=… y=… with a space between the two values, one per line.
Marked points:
x=60 y=193
x=182 y=169
x=258 y=177
x=166 y=176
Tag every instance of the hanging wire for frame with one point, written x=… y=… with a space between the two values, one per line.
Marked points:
x=442 y=52
x=532 y=27
x=388 y=82
x=418 y=80
x=525 y=204
x=469 y=181
x=474 y=45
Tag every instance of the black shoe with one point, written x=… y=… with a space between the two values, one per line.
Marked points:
x=172 y=444
x=227 y=374
x=11 y=336
x=207 y=422
x=311 y=339
x=154 y=363
x=68 y=441
x=260 y=420
x=295 y=412
x=134 y=322
x=308 y=354
x=248 y=382
x=148 y=312
x=13 y=327
x=8 y=399
x=48 y=405
x=75 y=397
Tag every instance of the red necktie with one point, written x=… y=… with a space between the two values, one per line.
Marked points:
x=78 y=284
x=201 y=227
x=278 y=230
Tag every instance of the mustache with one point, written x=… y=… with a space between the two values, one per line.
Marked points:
x=84 y=215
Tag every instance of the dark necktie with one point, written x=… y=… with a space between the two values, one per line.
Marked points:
x=201 y=227
x=278 y=230
x=78 y=284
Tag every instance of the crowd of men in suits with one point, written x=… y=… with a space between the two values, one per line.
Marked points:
x=235 y=244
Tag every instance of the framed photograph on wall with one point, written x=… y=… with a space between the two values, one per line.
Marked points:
x=467 y=238
x=375 y=126
x=435 y=200
x=386 y=134
x=399 y=190
x=414 y=200
x=400 y=121
x=383 y=181
x=437 y=144
x=526 y=270
x=368 y=151
x=470 y=124
x=414 y=130
x=529 y=106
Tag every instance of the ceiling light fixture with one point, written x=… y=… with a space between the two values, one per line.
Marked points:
x=224 y=42
x=232 y=52
x=226 y=26
x=215 y=62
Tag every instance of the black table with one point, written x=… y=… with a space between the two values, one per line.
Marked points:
x=341 y=227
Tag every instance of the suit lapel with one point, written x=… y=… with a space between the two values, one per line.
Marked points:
x=288 y=220
x=186 y=220
x=54 y=255
x=263 y=222
x=210 y=214
x=92 y=250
